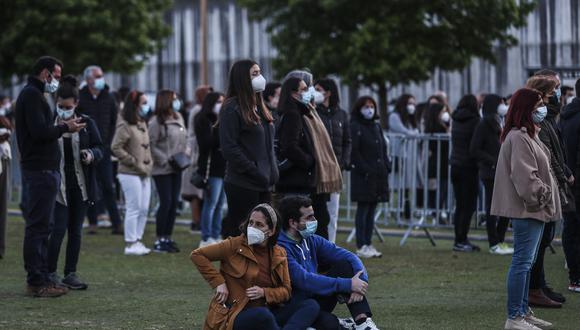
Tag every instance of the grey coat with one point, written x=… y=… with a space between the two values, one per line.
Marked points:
x=166 y=140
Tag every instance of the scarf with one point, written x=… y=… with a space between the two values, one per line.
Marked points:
x=328 y=174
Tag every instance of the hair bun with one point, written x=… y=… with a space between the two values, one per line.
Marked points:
x=70 y=80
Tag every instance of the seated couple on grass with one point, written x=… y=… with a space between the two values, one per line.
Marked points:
x=263 y=285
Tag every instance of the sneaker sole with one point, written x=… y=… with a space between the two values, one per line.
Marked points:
x=77 y=288
x=572 y=289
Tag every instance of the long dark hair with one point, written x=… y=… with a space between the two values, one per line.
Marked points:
x=468 y=102
x=401 y=109
x=360 y=102
x=208 y=104
x=432 y=122
x=287 y=101
x=272 y=240
x=131 y=108
x=164 y=105
x=330 y=86
x=240 y=90
x=519 y=115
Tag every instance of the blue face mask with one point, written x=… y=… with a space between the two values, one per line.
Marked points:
x=176 y=105
x=64 y=114
x=100 y=83
x=558 y=93
x=144 y=111
x=306 y=97
x=310 y=229
x=540 y=114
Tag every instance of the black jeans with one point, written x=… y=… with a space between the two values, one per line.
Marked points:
x=465 y=182
x=168 y=189
x=326 y=320
x=40 y=188
x=537 y=276
x=571 y=242
x=321 y=213
x=105 y=180
x=3 y=203
x=364 y=222
x=496 y=226
x=67 y=219
x=240 y=202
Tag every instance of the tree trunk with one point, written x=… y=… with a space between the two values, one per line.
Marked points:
x=383 y=99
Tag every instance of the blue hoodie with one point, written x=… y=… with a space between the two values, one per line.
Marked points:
x=303 y=259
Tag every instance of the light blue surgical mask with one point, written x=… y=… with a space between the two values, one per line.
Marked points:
x=100 y=83
x=64 y=114
x=310 y=229
x=540 y=114
x=144 y=111
x=176 y=105
x=558 y=93
x=306 y=97
x=52 y=86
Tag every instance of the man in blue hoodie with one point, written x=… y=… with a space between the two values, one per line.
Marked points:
x=345 y=282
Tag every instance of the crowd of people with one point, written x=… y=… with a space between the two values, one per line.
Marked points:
x=275 y=153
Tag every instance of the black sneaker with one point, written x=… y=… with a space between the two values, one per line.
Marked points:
x=460 y=247
x=172 y=246
x=555 y=296
x=474 y=247
x=73 y=282
x=161 y=246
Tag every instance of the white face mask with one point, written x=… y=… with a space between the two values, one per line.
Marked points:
x=318 y=97
x=411 y=109
x=52 y=86
x=255 y=236
x=368 y=112
x=502 y=110
x=569 y=99
x=259 y=84
x=445 y=117
x=216 y=108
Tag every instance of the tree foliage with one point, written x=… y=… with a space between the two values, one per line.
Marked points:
x=115 y=34
x=386 y=42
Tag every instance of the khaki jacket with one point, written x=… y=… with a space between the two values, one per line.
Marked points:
x=239 y=270
x=167 y=140
x=524 y=185
x=131 y=146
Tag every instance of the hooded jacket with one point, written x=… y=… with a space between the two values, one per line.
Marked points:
x=464 y=122
x=303 y=259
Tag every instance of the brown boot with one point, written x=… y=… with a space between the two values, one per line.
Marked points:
x=46 y=291
x=537 y=298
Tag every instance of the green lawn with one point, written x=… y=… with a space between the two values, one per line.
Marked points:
x=412 y=287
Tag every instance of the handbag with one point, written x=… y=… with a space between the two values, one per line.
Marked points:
x=179 y=161
x=198 y=180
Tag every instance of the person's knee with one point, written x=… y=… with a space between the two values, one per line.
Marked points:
x=311 y=306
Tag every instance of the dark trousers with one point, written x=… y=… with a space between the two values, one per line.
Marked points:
x=67 y=219
x=571 y=243
x=326 y=320
x=295 y=315
x=3 y=203
x=537 y=276
x=319 y=204
x=168 y=189
x=40 y=190
x=105 y=180
x=465 y=182
x=364 y=222
x=496 y=226
x=240 y=202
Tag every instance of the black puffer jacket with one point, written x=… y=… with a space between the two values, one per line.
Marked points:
x=485 y=144
x=208 y=139
x=103 y=110
x=570 y=128
x=336 y=122
x=370 y=162
x=462 y=129
x=295 y=151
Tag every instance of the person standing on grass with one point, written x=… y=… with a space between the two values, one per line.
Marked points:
x=253 y=285
x=131 y=146
x=246 y=129
x=570 y=127
x=369 y=172
x=81 y=152
x=485 y=146
x=37 y=137
x=97 y=102
x=168 y=138
x=211 y=167
x=346 y=281
x=526 y=192
x=336 y=122
x=6 y=129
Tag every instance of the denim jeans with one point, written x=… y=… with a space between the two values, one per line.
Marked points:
x=40 y=189
x=365 y=223
x=527 y=234
x=211 y=213
x=105 y=180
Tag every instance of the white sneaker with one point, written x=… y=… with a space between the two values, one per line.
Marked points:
x=104 y=224
x=205 y=243
x=367 y=325
x=507 y=248
x=347 y=323
x=519 y=323
x=497 y=250
x=374 y=251
x=143 y=247
x=530 y=318
x=364 y=252
x=134 y=250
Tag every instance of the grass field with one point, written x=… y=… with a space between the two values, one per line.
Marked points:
x=412 y=287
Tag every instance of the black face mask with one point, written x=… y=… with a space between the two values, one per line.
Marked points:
x=554 y=100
